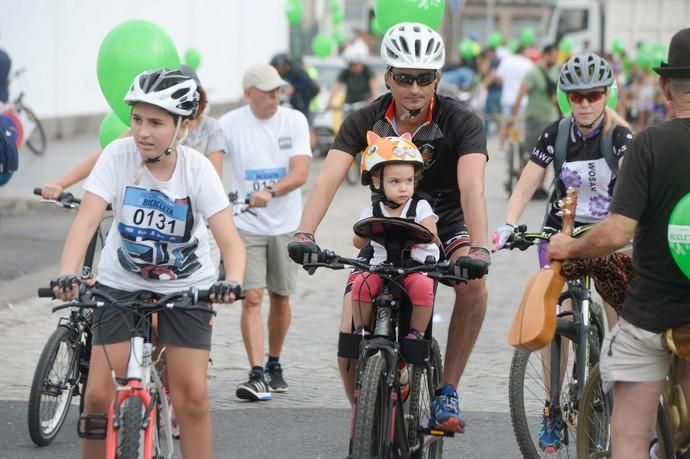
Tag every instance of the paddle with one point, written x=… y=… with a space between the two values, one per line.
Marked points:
x=534 y=325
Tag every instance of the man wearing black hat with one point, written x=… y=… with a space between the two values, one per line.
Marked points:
x=654 y=177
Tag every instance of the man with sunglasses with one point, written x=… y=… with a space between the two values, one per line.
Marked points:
x=654 y=178
x=453 y=145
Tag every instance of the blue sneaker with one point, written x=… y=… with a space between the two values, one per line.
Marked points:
x=550 y=435
x=445 y=411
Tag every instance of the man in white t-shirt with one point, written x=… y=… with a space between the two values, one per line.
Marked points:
x=270 y=152
x=511 y=71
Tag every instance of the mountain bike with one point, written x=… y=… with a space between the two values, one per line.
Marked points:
x=138 y=421
x=25 y=123
x=389 y=421
x=63 y=367
x=554 y=387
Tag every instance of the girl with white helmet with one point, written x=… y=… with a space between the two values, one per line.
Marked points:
x=391 y=166
x=162 y=194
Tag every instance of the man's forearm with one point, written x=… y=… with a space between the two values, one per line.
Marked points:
x=474 y=209
x=604 y=238
x=317 y=204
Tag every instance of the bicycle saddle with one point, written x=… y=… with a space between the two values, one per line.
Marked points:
x=392 y=229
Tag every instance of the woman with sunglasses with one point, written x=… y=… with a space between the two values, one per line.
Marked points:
x=585 y=79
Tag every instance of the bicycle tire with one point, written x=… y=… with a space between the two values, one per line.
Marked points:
x=421 y=394
x=37 y=140
x=129 y=433
x=368 y=436
x=57 y=384
x=597 y=444
x=524 y=429
x=354 y=173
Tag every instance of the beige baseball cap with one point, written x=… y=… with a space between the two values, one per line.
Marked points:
x=262 y=76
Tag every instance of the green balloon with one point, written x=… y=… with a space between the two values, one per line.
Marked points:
x=617 y=46
x=130 y=48
x=391 y=12
x=494 y=40
x=466 y=48
x=192 y=57
x=339 y=37
x=337 y=13
x=678 y=234
x=565 y=45
x=564 y=103
x=527 y=37
x=375 y=27
x=513 y=46
x=322 y=45
x=111 y=129
x=294 y=10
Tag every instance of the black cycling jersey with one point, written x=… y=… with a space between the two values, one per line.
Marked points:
x=450 y=131
x=584 y=169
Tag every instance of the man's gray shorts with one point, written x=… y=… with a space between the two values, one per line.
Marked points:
x=268 y=263
x=631 y=354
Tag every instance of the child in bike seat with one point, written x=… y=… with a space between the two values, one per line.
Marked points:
x=391 y=166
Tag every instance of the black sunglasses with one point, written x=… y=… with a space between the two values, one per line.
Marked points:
x=405 y=79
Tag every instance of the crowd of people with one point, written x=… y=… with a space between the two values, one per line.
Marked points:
x=429 y=167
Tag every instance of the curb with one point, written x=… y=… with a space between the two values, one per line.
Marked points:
x=13 y=206
x=25 y=287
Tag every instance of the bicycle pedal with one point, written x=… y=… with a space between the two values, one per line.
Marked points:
x=437 y=433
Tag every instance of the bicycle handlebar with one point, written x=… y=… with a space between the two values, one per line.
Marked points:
x=184 y=299
x=444 y=270
x=66 y=200
x=521 y=239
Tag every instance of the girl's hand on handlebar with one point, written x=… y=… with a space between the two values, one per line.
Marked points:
x=51 y=191
x=260 y=198
x=500 y=236
x=65 y=287
x=225 y=292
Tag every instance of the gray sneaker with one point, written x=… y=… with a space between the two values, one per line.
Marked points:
x=254 y=390
x=274 y=374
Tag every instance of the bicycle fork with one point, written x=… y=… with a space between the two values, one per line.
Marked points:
x=138 y=385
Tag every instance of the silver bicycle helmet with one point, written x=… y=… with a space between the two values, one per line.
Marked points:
x=171 y=90
x=410 y=45
x=585 y=71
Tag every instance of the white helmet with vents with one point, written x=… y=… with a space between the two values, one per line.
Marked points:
x=171 y=90
x=411 y=45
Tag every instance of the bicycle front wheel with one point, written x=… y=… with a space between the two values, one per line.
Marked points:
x=53 y=385
x=130 y=431
x=425 y=380
x=528 y=391
x=371 y=419
x=594 y=423
x=37 y=140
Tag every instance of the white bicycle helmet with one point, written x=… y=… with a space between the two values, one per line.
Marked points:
x=354 y=55
x=171 y=90
x=585 y=71
x=410 y=45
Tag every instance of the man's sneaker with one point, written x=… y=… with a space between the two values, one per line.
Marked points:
x=274 y=374
x=445 y=411
x=254 y=390
x=550 y=435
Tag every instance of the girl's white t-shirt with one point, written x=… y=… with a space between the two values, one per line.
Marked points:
x=260 y=151
x=419 y=251
x=158 y=240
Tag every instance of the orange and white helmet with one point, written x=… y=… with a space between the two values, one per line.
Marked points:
x=386 y=150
